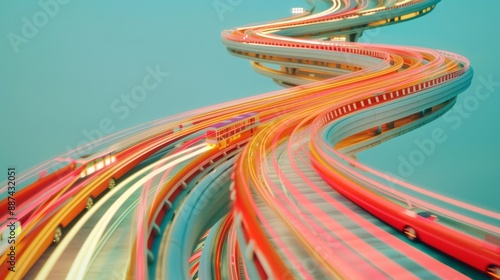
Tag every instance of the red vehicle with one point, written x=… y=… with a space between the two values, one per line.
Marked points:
x=33 y=196
x=477 y=251
x=101 y=173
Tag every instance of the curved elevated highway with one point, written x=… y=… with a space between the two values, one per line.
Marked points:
x=266 y=187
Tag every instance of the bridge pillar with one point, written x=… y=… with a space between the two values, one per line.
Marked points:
x=289 y=70
x=354 y=37
x=425 y=111
x=355 y=158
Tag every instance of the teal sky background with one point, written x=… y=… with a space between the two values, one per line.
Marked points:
x=75 y=69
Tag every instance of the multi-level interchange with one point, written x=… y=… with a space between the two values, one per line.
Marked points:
x=266 y=187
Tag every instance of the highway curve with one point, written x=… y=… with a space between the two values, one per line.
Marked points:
x=267 y=187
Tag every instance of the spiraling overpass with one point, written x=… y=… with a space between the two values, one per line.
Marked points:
x=285 y=173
